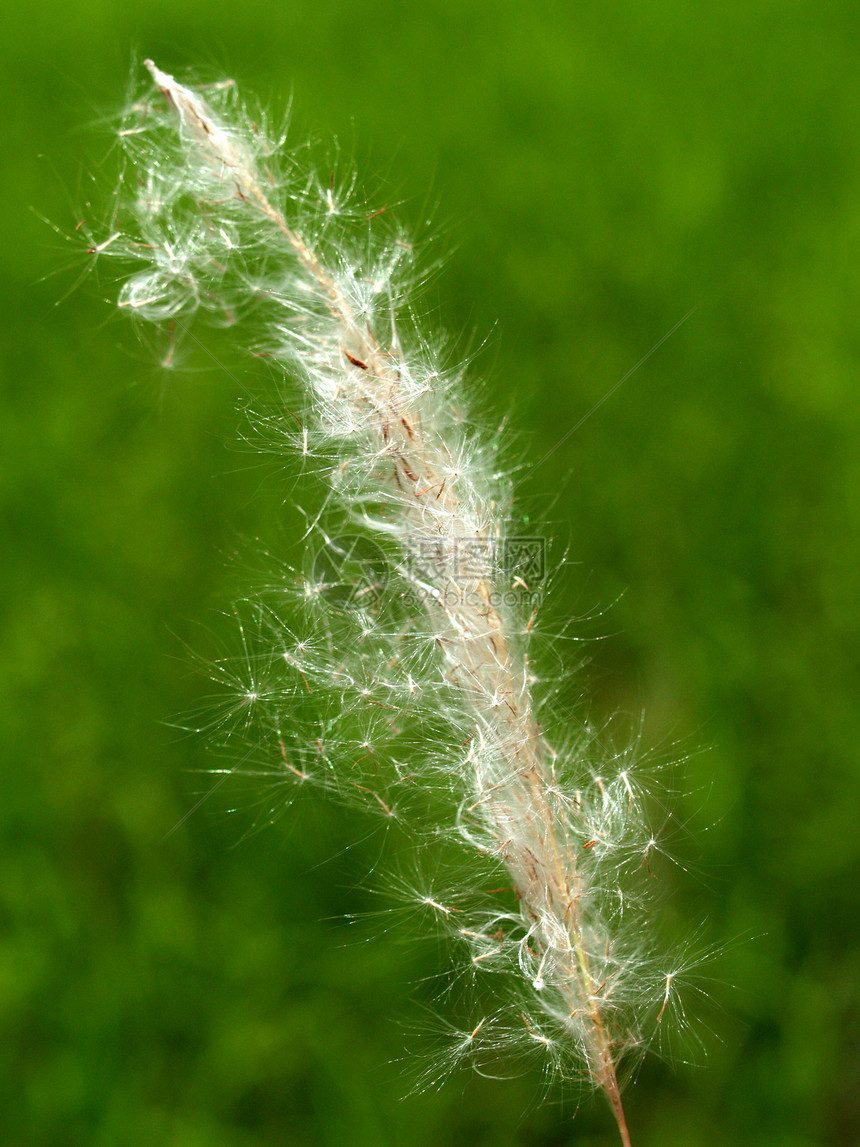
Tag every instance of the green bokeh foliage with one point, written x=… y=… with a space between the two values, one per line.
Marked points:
x=599 y=170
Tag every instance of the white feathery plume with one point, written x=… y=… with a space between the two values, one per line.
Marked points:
x=428 y=682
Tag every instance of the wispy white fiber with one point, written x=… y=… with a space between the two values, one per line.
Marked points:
x=419 y=678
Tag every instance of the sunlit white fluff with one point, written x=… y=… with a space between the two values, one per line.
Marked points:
x=425 y=684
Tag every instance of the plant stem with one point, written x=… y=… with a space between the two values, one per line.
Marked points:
x=512 y=773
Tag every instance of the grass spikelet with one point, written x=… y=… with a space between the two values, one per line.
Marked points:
x=398 y=663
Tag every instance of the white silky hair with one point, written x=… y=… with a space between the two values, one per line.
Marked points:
x=424 y=683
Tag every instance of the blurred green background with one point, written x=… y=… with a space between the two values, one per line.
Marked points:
x=599 y=170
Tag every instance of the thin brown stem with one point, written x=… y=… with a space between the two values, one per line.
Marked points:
x=613 y=1093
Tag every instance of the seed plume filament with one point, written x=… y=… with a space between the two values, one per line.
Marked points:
x=385 y=421
x=476 y=642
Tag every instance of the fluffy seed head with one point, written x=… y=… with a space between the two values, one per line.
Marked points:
x=397 y=665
